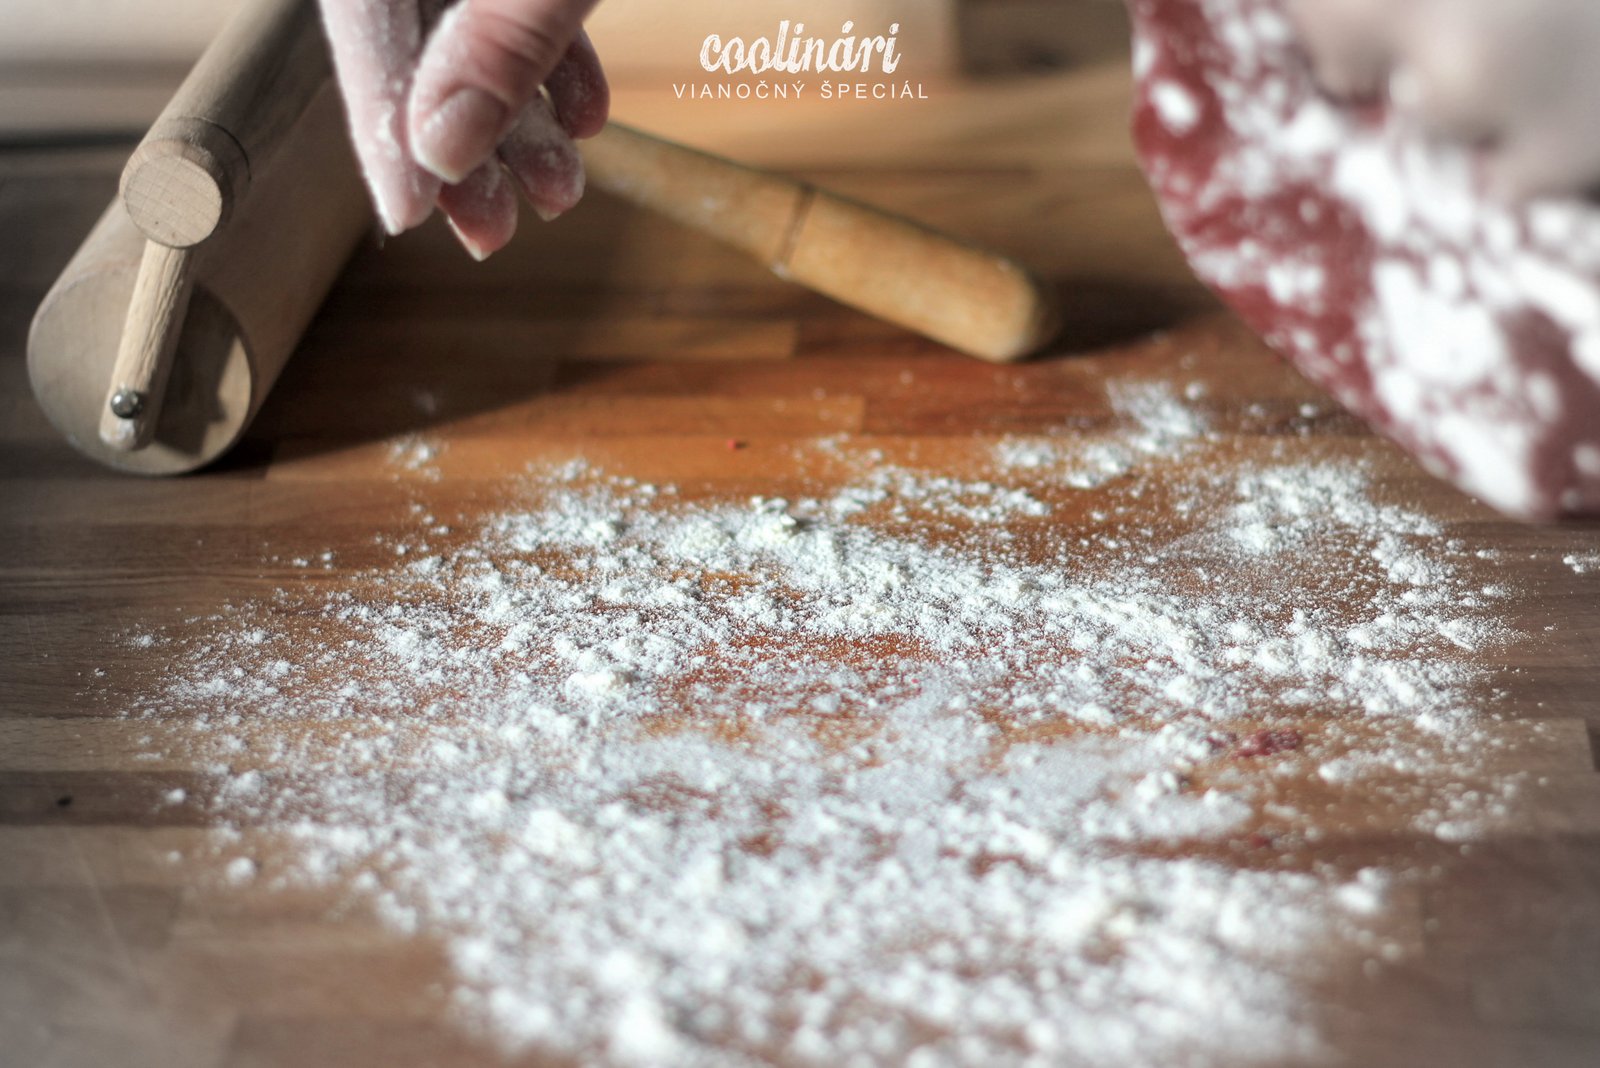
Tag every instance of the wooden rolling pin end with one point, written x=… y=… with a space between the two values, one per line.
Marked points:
x=1039 y=321
x=971 y=299
x=182 y=182
x=1023 y=318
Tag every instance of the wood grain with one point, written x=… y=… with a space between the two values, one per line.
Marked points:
x=645 y=348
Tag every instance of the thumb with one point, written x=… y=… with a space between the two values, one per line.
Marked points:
x=483 y=65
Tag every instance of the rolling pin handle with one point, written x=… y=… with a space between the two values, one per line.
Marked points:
x=975 y=301
x=148 y=348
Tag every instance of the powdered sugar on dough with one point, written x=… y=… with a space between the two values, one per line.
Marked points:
x=1467 y=330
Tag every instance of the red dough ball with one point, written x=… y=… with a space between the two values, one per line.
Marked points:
x=1466 y=329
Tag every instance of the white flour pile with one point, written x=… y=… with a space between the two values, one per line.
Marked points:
x=918 y=770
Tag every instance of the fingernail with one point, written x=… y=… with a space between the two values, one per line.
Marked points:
x=391 y=225
x=556 y=193
x=395 y=225
x=475 y=250
x=383 y=199
x=401 y=203
x=460 y=134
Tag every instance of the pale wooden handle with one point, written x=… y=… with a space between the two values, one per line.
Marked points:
x=890 y=267
x=161 y=292
x=226 y=122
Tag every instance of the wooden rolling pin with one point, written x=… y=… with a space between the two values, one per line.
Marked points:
x=187 y=177
x=887 y=266
x=162 y=337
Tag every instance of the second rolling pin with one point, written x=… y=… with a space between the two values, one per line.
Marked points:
x=887 y=266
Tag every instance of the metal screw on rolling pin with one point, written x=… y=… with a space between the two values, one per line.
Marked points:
x=127 y=403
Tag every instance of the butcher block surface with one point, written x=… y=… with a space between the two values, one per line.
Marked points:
x=430 y=384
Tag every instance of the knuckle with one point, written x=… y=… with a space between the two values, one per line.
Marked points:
x=527 y=47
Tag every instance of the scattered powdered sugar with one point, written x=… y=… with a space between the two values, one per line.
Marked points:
x=1163 y=424
x=902 y=771
x=906 y=493
x=1582 y=563
x=414 y=453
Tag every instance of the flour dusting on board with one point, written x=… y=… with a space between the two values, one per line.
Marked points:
x=920 y=767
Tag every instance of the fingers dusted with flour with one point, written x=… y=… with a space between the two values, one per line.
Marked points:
x=544 y=161
x=482 y=211
x=375 y=45
x=459 y=105
x=579 y=91
x=482 y=67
